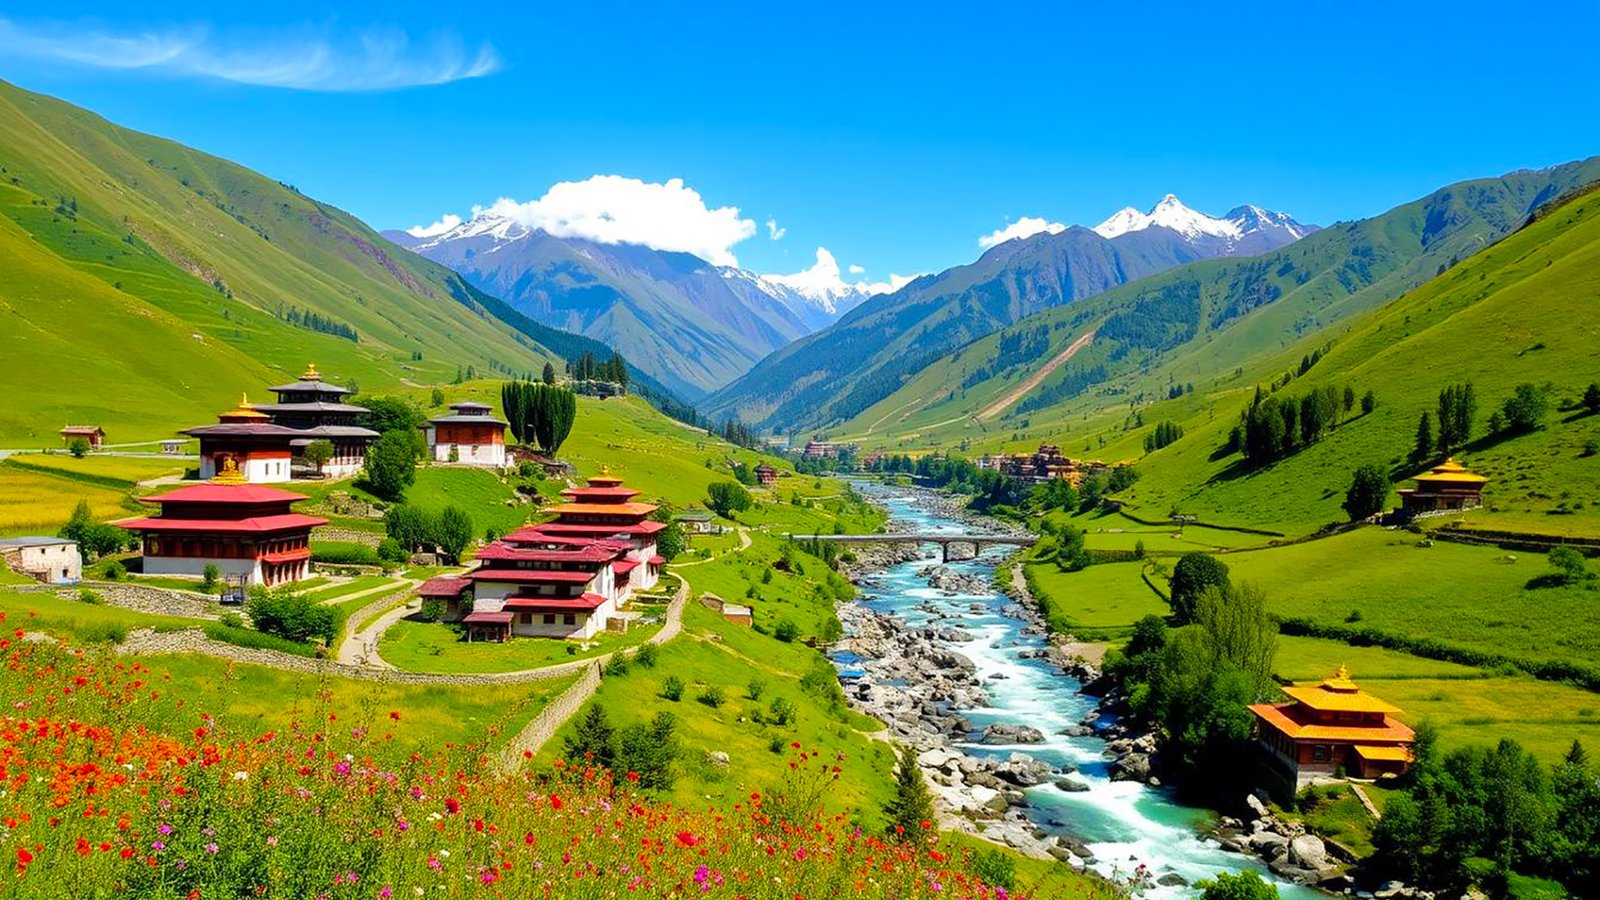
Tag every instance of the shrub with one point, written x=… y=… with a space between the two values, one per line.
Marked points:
x=291 y=616
x=995 y=867
x=782 y=710
x=390 y=550
x=432 y=610
x=672 y=688
x=209 y=578
x=78 y=447
x=755 y=688
x=256 y=640
x=786 y=631
x=90 y=597
x=116 y=571
x=344 y=553
x=616 y=665
x=712 y=696
x=646 y=655
x=231 y=619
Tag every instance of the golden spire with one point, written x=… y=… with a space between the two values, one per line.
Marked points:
x=311 y=373
x=245 y=410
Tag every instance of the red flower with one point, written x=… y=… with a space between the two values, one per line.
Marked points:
x=452 y=805
x=24 y=858
x=633 y=776
x=685 y=839
x=555 y=802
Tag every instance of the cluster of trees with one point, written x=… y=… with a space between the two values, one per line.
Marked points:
x=737 y=433
x=292 y=616
x=1197 y=681
x=1016 y=347
x=95 y=539
x=413 y=528
x=539 y=413
x=1163 y=434
x=391 y=464
x=727 y=497
x=1491 y=817
x=1522 y=412
x=587 y=368
x=319 y=323
x=1273 y=427
x=644 y=749
x=1368 y=493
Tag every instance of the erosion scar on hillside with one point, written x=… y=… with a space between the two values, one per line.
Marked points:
x=1033 y=381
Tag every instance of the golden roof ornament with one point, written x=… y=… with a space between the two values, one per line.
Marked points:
x=311 y=373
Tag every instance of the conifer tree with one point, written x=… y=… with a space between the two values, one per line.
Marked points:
x=1422 y=451
x=594 y=740
x=912 y=805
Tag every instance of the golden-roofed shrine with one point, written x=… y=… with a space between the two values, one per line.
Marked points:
x=1330 y=727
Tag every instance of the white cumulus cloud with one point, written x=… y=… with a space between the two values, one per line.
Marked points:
x=611 y=209
x=823 y=279
x=313 y=59
x=774 y=231
x=857 y=270
x=445 y=223
x=1027 y=226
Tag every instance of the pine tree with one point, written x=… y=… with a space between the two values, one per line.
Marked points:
x=549 y=374
x=910 y=813
x=594 y=740
x=1422 y=451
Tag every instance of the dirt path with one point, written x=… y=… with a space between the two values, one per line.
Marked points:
x=1034 y=380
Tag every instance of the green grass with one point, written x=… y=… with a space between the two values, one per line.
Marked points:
x=1334 y=811
x=1313 y=659
x=354 y=585
x=1097 y=602
x=127 y=471
x=713 y=652
x=35 y=502
x=75 y=619
x=437 y=647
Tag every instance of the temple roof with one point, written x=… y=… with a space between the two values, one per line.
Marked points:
x=579 y=551
x=467 y=419
x=583 y=603
x=603 y=509
x=602 y=528
x=533 y=576
x=225 y=493
x=443 y=586
x=1339 y=694
x=1448 y=472
x=310 y=380
x=1280 y=718
x=250 y=525
x=324 y=406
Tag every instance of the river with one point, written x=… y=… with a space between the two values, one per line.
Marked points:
x=1124 y=823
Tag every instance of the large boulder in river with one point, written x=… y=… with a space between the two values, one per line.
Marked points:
x=1131 y=767
x=1072 y=785
x=1012 y=734
x=1308 y=852
x=1023 y=770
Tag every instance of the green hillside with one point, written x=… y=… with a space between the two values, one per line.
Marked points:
x=1236 y=319
x=1522 y=311
x=147 y=284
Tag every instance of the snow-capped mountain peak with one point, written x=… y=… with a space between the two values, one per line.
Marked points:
x=1239 y=224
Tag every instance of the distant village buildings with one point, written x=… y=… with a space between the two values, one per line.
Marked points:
x=52 y=560
x=766 y=475
x=828 y=449
x=1044 y=464
x=1447 y=487
x=469 y=435
x=566 y=578
x=265 y=443
x=1332 y=727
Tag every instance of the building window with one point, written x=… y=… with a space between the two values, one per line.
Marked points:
x=549 y=618
x=527 y=618
x=569 y=619
x=1319 y=753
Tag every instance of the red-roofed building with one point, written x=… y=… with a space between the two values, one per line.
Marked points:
x=567 y=578
x=469 y=435
x=247 y=532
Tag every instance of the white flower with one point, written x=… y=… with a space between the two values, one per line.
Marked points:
x=241 y=776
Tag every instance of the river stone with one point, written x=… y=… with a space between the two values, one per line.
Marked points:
x=1012 y=734
x=1071 y=785
x=1131 y=767
x=1309 y=852
x=1172 y=879
x=1258 y=810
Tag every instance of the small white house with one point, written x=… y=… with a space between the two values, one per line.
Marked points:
x=469 y=435
x=51 y=560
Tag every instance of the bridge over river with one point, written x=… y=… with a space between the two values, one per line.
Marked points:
x=976 y=540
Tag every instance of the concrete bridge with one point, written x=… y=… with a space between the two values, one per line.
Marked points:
x=976 y=540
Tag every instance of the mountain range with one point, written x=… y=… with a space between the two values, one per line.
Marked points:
x=871 y=351
x=693 y=325
x=147 y=284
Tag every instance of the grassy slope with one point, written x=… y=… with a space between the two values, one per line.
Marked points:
x=122 y=306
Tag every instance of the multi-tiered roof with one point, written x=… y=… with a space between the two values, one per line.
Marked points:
x=316 y=409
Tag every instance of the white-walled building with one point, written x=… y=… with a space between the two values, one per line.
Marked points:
x=51 y=560
x=469 y=435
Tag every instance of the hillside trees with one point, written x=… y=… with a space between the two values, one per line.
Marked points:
x=413 y=528
x=539 y=413
x=1525 y=410
x=1163 y=434
x=910 y=812
x=1368 y=492
x=391 y=465
x=95 y=539
x=1458 y=404
x=1422 y=448
x=727 y=498
x=1591 y=398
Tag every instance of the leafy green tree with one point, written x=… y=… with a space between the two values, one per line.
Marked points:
x=391 y=465
x=386 y=414
x=910 y=812
x=1349 y=399
x=1194 y=573
x=727 y=498
x=1245 y=885
x=209 y=578
x=592 y=739
x=549 y=374
x=410 y=526
x=1057 y=493
x=1525 y=410
x=1368 y=493
x=453 y=531
x=77 y=523
x=98 y=539
x=1569 y=565
x=672 y=688
x=436 y=399
x=1458 y=406
x=78 y=447
x=1369 y=402
x=1591 y=398
x=670 y=541
x=318 y=453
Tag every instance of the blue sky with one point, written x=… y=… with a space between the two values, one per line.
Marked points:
x=894 y=136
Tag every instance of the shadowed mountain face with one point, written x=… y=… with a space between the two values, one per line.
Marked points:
x=693 y=325
x=877 y=347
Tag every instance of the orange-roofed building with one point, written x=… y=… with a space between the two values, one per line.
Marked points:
x=1446 y=487
x=1331 y=726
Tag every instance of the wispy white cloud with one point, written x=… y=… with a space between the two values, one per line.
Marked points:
x=823 y=279
x=774 y=231
x=312 y=59
x=612 y=209
x=445 y=223
x=1027 y=226
x=857 y=270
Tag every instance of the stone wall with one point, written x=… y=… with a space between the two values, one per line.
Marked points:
x=347 y=535
x=543 y=726
x=146 y=599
